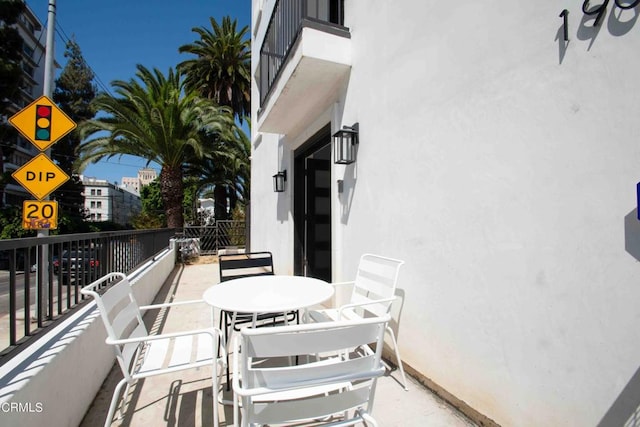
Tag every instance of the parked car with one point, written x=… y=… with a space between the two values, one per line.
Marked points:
x=75 y=265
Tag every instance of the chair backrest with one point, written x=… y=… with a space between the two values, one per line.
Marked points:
x=234 y=266
x=120 y=314
x=273 y=349
x=376 y=279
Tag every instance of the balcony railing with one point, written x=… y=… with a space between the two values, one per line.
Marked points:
x=41 y=278
x=220 y=235
x=288 y=18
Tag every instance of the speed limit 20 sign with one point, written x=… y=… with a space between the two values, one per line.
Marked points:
x=39 y=215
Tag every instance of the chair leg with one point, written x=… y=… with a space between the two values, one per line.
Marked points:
x=236 y=410
x=227 y=333
x=215 y=379
x=368 y=418
x=398 y=360
x=114 y=402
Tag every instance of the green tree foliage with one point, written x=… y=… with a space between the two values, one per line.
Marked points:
x=152 y=213
x=221 y=69
x=189 y=204
x=10 y=80
x=154 y=118
x=11 y=224
x=226 y=167
x=151 y=197
x=73 y=93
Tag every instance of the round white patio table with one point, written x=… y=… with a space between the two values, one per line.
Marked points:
x=265 y=294
x=268 y=294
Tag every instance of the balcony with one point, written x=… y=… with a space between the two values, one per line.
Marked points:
x=56 y=382
x=304 y=60
x=185 y=398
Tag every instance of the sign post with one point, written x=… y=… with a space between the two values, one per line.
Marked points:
x=45 y=121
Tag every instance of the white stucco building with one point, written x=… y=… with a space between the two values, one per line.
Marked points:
x=106 y=202
x=497 y=159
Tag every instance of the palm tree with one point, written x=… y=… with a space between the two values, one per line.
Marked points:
x=227 y=167
x=155 y=119
x=221 y=70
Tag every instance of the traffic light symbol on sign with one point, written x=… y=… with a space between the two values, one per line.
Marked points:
x=43 y=123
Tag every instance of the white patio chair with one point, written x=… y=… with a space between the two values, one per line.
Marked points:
x=373 y=295
x=141 y=355
x=334 y=390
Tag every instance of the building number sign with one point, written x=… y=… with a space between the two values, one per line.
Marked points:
x=598 y=10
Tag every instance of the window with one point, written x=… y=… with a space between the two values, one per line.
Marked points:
x=27 y=50
x=99 y=205
x=99 y=217
x=93 y=204
x=27 y=69
x=23 y=143
x=93 y=191
x=99 y=192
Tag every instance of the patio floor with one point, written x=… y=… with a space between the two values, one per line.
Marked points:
x=184 y=399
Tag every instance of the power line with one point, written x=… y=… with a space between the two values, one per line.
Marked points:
x=63 y=36
x=106 y=161
x=65 y=39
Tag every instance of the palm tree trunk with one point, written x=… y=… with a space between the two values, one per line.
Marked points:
x=171 y=188
x=220 y=202
x=233 y=199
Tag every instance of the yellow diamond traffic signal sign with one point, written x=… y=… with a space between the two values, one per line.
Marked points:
x=42 y=122
x=40 y=176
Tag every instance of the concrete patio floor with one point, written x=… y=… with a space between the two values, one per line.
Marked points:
x=184 y=399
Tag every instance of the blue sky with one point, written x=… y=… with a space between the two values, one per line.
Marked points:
x=115 y=35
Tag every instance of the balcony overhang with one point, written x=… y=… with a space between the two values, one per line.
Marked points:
x=309 y=82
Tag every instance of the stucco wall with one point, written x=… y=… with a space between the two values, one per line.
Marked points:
x=501 y=164
x=54 y=381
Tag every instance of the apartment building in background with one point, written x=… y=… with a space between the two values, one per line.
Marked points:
x=104 y=201
x=497 y=155
x=33 y=48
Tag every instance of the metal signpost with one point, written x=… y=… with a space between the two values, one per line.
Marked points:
x=42 y=123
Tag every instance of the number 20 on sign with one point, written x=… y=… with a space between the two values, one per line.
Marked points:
x=38 y=215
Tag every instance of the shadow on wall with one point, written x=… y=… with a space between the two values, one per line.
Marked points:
x=632 y=234
x=282 y=213
x=396 y=311
x=625 y=411
x=346 y=189
x=619 y=23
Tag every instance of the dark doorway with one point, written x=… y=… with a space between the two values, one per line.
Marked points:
x=312 y=207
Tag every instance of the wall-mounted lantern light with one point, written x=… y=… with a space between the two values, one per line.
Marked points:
x=344 y=144
x=278 y=181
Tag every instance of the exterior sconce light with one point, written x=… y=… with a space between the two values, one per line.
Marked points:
x=278 y=181
x=344 y=145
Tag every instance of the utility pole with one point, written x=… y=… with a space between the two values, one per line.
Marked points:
x=43 y=256
x=49 y=59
